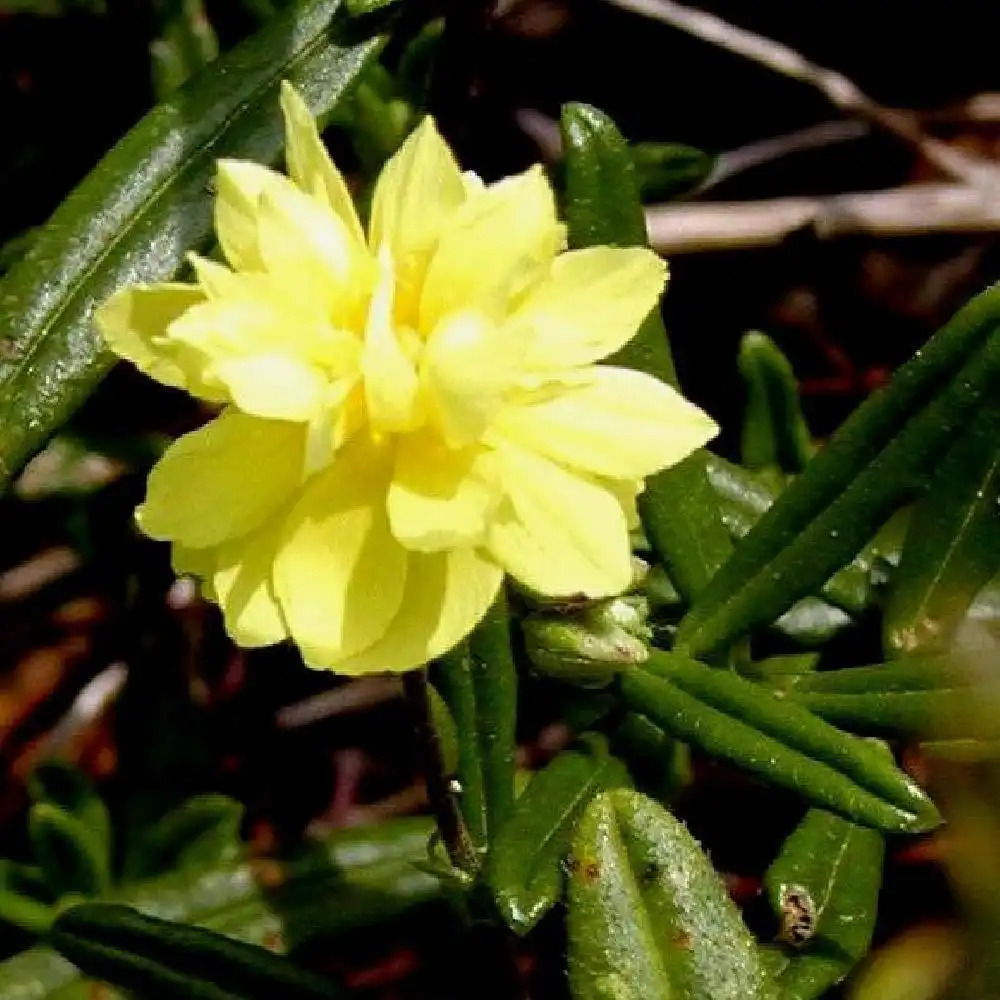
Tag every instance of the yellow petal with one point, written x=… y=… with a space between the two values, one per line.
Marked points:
x=223 y=480
x=239 y=186
x=556 y=532
x=591 y=303
x=308 y=251
x=392 y=387
x=186 y=561
x=447 y=594
x=309 y=164
x=467 y=366
x=274 y=386
x=134 y=323
x=416 y=193
x=241 y=585
x=618 y=423
x=494 y=247
x=440 y=497
x=339 y=574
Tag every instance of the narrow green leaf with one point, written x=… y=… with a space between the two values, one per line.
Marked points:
x=875 y=462
x=648 y=916
x=524 y=870
x=931 y=697
x=824 y=888
x=60 y=784
x=952 y=546
x=203 y=832
x=778 y=740
x=744 y=498
x=66 y=852
x=164 y=960
x=143 y=208
x=659 y=764
x=775 y=433
x=678 y=509
x=478 y=682
x=667 y=170
x=186 y=45
x=25 y=897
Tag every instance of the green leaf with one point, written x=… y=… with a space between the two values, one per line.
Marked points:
x=186 y=45
x=143 y=208
x=25 y=897
x=602 y=205
x=931 y=697
x=666 y=170
x=524 y=870
x=875 y=462
x=66 y=852
x=744 y=497
x=824 y=888
x=648 y=916
x=478 y=682
x=952 y=547
x=742 y=722
x=659 y=764
x=354 y=878
x=60 y=784
x=775 y=434
x=164 y=960
x=203 y=832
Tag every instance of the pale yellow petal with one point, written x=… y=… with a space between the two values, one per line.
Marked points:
x=309 y=164
x=415 y=193
x=591 y=303
x=558 y=533
x=134 y=323
x=274 y=386
x=618 y=423
x=241 y=585
x=308 y=251
x=339 y=574
x=468 y=365
x=440 y=497
x=223 y=480
x=447 y=594
x=239 y=187
x=495 y=246
x=392 y=387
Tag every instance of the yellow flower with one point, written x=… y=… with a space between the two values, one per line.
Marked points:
x=404 y=416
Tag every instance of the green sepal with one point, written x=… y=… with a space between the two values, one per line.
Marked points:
x=781 y=742
x=823 y=888
x=667 y=170
x=525 y=868
x=648 y=916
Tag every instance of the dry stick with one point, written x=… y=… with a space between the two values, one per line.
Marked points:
x=837 y=88
x=458 y=843
x=907 y=211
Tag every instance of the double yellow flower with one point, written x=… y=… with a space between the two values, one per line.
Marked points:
x=405 y=416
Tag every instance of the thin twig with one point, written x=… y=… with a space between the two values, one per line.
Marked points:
x=454 y=833
x=837 y=88
x=907 y=211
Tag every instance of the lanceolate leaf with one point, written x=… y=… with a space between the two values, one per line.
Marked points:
x=874 y=463
x=952 y=547
x=648 y=916
x=677 y=507
x=824 y=887
x=143 y=207
x=733 y=718
x=525 y=866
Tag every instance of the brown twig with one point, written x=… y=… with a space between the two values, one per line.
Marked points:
x=837 y=88
x=907 y=211
x=454 y=833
